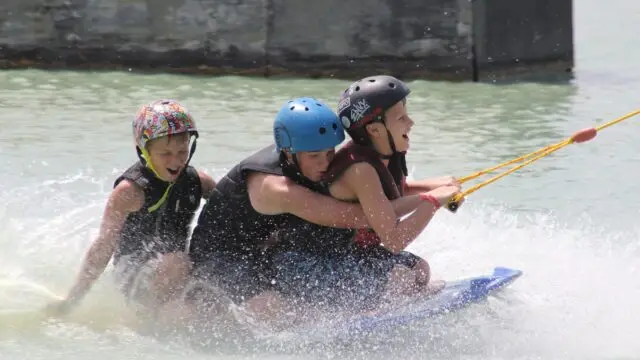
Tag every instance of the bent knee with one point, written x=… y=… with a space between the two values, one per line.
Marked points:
x=405 y=278
x=422 y=271
x=402 y=275
x=174 y=265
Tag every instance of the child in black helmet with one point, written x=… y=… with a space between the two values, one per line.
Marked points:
x=372 y=170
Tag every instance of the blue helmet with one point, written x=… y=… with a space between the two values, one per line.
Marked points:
x=305 y=124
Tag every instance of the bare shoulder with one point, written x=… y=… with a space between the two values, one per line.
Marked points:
x=127 y=196
x=208 y=184
x=266 y=192
x=356 y=176
x=268 y=183
x=362 y=171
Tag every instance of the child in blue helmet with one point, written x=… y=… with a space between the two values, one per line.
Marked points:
x=146 y=220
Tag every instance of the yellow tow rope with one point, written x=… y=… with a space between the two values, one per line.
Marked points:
x=579 y=137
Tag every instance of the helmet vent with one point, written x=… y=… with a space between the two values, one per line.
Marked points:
x=306 y=108
x=334 y=126
x=291 y=108
x=392 y=85
x=322 y=130
x=358 y=88
x=372 y=80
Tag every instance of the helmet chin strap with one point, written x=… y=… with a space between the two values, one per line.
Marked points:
x=397 y=158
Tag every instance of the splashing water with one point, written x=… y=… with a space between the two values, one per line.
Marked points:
x=575 y=300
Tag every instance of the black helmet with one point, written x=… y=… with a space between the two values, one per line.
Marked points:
x=366 y=101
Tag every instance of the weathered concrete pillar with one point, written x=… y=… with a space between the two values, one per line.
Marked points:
x=348 y=38
x=430 y=39
x=522 y=36
x=205 y=36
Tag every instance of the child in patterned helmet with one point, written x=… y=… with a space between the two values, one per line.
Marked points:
x=145 y=225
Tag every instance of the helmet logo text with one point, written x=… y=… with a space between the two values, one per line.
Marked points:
x=344 y=103
x=359 y=109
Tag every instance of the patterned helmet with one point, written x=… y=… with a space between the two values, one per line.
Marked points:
x=161 y=118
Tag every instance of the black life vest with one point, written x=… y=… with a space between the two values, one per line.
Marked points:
x=161 y=225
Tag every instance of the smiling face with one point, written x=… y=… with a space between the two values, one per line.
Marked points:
x=398 y=123
x=169 y=155
x=313 y=164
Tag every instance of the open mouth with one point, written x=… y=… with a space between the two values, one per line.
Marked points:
x=406 y=135
x=173 y=172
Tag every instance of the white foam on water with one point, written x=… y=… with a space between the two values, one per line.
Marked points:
x=576 y=299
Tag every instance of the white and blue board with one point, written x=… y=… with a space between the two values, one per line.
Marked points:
x=456 y=295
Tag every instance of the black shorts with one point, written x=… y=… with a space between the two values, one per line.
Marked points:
x=240 y=278
x=354 y=280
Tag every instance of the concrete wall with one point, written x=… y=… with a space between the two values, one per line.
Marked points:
x=520 y=36
x=436 y=39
